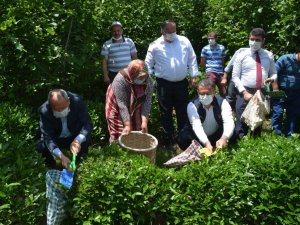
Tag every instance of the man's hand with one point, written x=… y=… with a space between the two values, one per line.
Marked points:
x=208 y=145
x=247 y=96
x=65 y=161
x=221 y=143
x=224 y=81
x=75 y=147
x=193 y=82
x=268 y=80
x=106 y=79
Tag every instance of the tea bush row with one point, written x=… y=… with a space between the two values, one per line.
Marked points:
x=253 y=182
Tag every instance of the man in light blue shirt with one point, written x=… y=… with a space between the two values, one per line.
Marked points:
x=288 y=79
x=212 y=60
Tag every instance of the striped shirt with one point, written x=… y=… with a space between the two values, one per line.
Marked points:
x=213 y=58
x=118 y=53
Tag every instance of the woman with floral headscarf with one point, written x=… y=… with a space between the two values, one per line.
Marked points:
x=128 y=100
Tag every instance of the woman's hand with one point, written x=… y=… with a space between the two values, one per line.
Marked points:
x=144 y=126
x=127 y=127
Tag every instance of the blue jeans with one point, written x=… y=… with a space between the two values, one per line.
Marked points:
x=291 y=104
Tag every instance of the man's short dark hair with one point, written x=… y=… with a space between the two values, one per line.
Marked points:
x=164 y=24
x=258 y=32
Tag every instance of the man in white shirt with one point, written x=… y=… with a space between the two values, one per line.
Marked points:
x=231 y=90
x=169 y=58
x=246 y=67
x=210 y=119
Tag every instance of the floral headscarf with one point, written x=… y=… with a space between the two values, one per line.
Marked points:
x=137 y=68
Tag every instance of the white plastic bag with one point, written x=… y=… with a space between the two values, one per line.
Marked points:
x=256 y=110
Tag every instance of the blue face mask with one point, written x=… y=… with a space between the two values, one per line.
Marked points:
x=170 y=37
x=138 y=81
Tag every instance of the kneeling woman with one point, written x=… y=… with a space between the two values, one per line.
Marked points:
x=128 y=100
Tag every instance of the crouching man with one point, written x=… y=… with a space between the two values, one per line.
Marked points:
x=64 y=123
x=210 y=119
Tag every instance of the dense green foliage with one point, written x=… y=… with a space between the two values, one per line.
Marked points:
x=22 y=171
x=256 y=182
x=46 y=44
x=52 y=43
x=234 y=19
x=253 y=182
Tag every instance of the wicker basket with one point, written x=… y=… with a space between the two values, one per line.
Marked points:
x=140 y=143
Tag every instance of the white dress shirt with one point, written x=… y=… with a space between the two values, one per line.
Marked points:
x=170 y=60
x=210 y=125
x=244 y=68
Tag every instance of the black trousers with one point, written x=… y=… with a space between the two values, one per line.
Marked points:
x=172 y=95
x=231 y=94
x=112 y=75
x=187 y=134
x=62 y=143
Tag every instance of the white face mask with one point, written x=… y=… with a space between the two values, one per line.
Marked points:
x=212 y=41
x=170 y=37
x=206 y=99
x=138 y=81
x=117 y=39
x=254 y=45
x=61 y=114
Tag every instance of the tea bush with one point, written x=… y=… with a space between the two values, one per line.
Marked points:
x=254 y=182
x=22 y=171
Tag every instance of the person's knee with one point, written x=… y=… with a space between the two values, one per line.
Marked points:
x=183 y=140
x=41 y=147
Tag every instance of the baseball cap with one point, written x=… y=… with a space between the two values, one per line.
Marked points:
x=116 y=23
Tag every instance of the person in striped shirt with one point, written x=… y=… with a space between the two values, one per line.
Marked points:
x=212 y=60
x=117 y=52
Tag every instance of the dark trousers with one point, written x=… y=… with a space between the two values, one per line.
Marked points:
x=172 y=95
x=62 y=143
x=187 y=134
x=241 y=128
x=112 y=75
x=231 y=94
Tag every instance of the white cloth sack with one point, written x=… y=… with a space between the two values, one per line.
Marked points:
x=256 y=110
